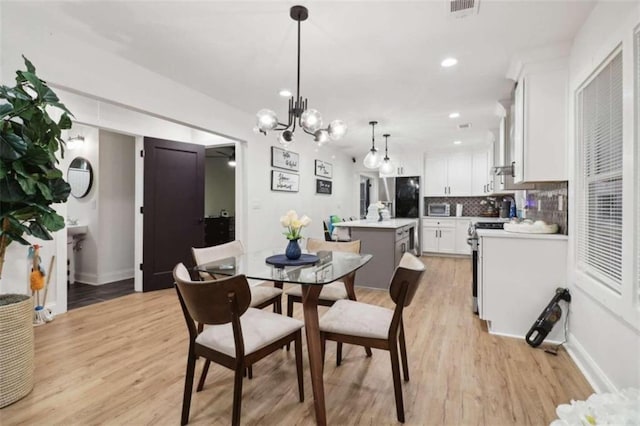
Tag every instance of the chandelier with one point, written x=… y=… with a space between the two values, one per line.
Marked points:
x=309 y=120
x=373 y=159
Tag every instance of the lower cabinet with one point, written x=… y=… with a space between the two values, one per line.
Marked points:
x=439 y=235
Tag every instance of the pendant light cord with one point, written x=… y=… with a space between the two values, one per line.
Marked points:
x=298 y=89
x=373 y=135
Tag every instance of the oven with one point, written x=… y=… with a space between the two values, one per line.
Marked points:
x=474 y=242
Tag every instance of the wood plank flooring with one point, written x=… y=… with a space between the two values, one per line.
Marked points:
x=123 y=362
x=79 y=294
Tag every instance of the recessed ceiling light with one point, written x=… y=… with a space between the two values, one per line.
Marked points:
x=285 y=93
x=449 y=62
x=457 y=142
x=454 y=115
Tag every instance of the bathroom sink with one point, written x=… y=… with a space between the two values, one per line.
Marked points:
x=74 y=230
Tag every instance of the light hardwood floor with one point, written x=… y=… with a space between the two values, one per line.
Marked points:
x=123 y=362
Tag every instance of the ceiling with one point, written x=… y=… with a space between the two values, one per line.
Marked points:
x=361 y=61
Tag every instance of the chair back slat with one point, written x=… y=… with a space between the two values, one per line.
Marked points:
x=314 y=245
x=208 y=302
x=408 y=273
x=213 y=253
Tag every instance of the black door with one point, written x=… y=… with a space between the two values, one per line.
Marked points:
x=173 y=208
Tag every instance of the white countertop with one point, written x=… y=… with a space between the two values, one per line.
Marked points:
x=469 y=218
x=385 y=224
x=500 y=233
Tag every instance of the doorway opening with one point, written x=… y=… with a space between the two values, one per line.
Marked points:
x=219 y=195
x=365 y=195
x=100 y=219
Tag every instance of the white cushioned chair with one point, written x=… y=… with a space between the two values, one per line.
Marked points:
x=262 y=295
x=236 y=335
x=357 y=323
x=334 y=291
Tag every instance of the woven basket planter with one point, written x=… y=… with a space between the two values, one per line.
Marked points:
x=16 y=350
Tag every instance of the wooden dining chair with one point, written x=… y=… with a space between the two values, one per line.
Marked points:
x=237 y=335
x=377 y=327
x=331 y=292
x=263 y=293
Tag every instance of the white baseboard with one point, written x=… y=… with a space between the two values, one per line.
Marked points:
x=589 y=368
x=515 y=336
x=95 y=279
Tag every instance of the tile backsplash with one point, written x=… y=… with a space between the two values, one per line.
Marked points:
x=548 y=202
x=471 y=205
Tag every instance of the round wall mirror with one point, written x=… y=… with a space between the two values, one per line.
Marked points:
x=80 y=177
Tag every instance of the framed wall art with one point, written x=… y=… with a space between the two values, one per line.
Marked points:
x=323 y=186
x=285 y=182
x=283 y=159
x=324 y=169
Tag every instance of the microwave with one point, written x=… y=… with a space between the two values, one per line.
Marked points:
x=438 y=209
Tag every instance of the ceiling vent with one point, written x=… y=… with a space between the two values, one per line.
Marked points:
x=462 y=8
x=464 y=126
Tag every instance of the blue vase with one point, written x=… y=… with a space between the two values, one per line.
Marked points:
x=293 y=250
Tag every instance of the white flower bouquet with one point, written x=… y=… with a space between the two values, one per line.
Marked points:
x=619 y=409
x=294 y=224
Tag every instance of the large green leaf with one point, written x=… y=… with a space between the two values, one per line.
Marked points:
x=37 y=155
x=10 y=191
x=60 y=190
x=5 y=109
x=39 y=231
x=53 y=174
x=3 y=170
x=52 y=221
x=65 y=121
x=45 y=191
x=29 y=65
x=12 y=146
x=27 y=184
x=37 y=84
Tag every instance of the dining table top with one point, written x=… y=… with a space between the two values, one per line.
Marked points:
x=331 y=266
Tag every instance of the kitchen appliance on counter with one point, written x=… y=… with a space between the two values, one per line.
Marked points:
x=474 y=242
x=439 y=209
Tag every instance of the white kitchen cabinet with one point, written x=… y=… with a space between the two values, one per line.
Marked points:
x=448 y=175
x=439 y=235
x=406 y=166
x=480 y=173
x=518 y=275
x=540 y=139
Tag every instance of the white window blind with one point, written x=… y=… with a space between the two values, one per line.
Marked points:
x=599 y=183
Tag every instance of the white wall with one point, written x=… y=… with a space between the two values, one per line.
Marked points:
x=219 y=187
x=116 y=207
x=134 y=94
x=85 y=209
x=605 y=346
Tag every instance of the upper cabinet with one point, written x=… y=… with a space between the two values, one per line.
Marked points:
x=447 y=175
x=540 y=123
x=405 y=165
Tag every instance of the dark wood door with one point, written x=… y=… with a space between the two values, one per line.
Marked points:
x=173 y=208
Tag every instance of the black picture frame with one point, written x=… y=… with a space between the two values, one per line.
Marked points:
x=324 y=186
x=286 y=160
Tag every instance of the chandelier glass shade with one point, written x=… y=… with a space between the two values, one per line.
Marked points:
x=373 y=159
x=309 y=120
x=386 y=168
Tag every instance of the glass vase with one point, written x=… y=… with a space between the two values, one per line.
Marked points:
x=293 y=250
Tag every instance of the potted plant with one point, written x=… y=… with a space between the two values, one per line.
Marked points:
x=30 y=183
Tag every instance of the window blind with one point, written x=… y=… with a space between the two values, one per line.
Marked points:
x=599 y=192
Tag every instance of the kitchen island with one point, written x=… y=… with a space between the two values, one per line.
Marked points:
x=386 y=241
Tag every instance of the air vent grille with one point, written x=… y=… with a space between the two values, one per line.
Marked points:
x=462 y=8
x=463 y=126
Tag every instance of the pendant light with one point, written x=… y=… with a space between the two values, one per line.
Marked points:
x=387 y=166
x=373 y=159
x=309 y=120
